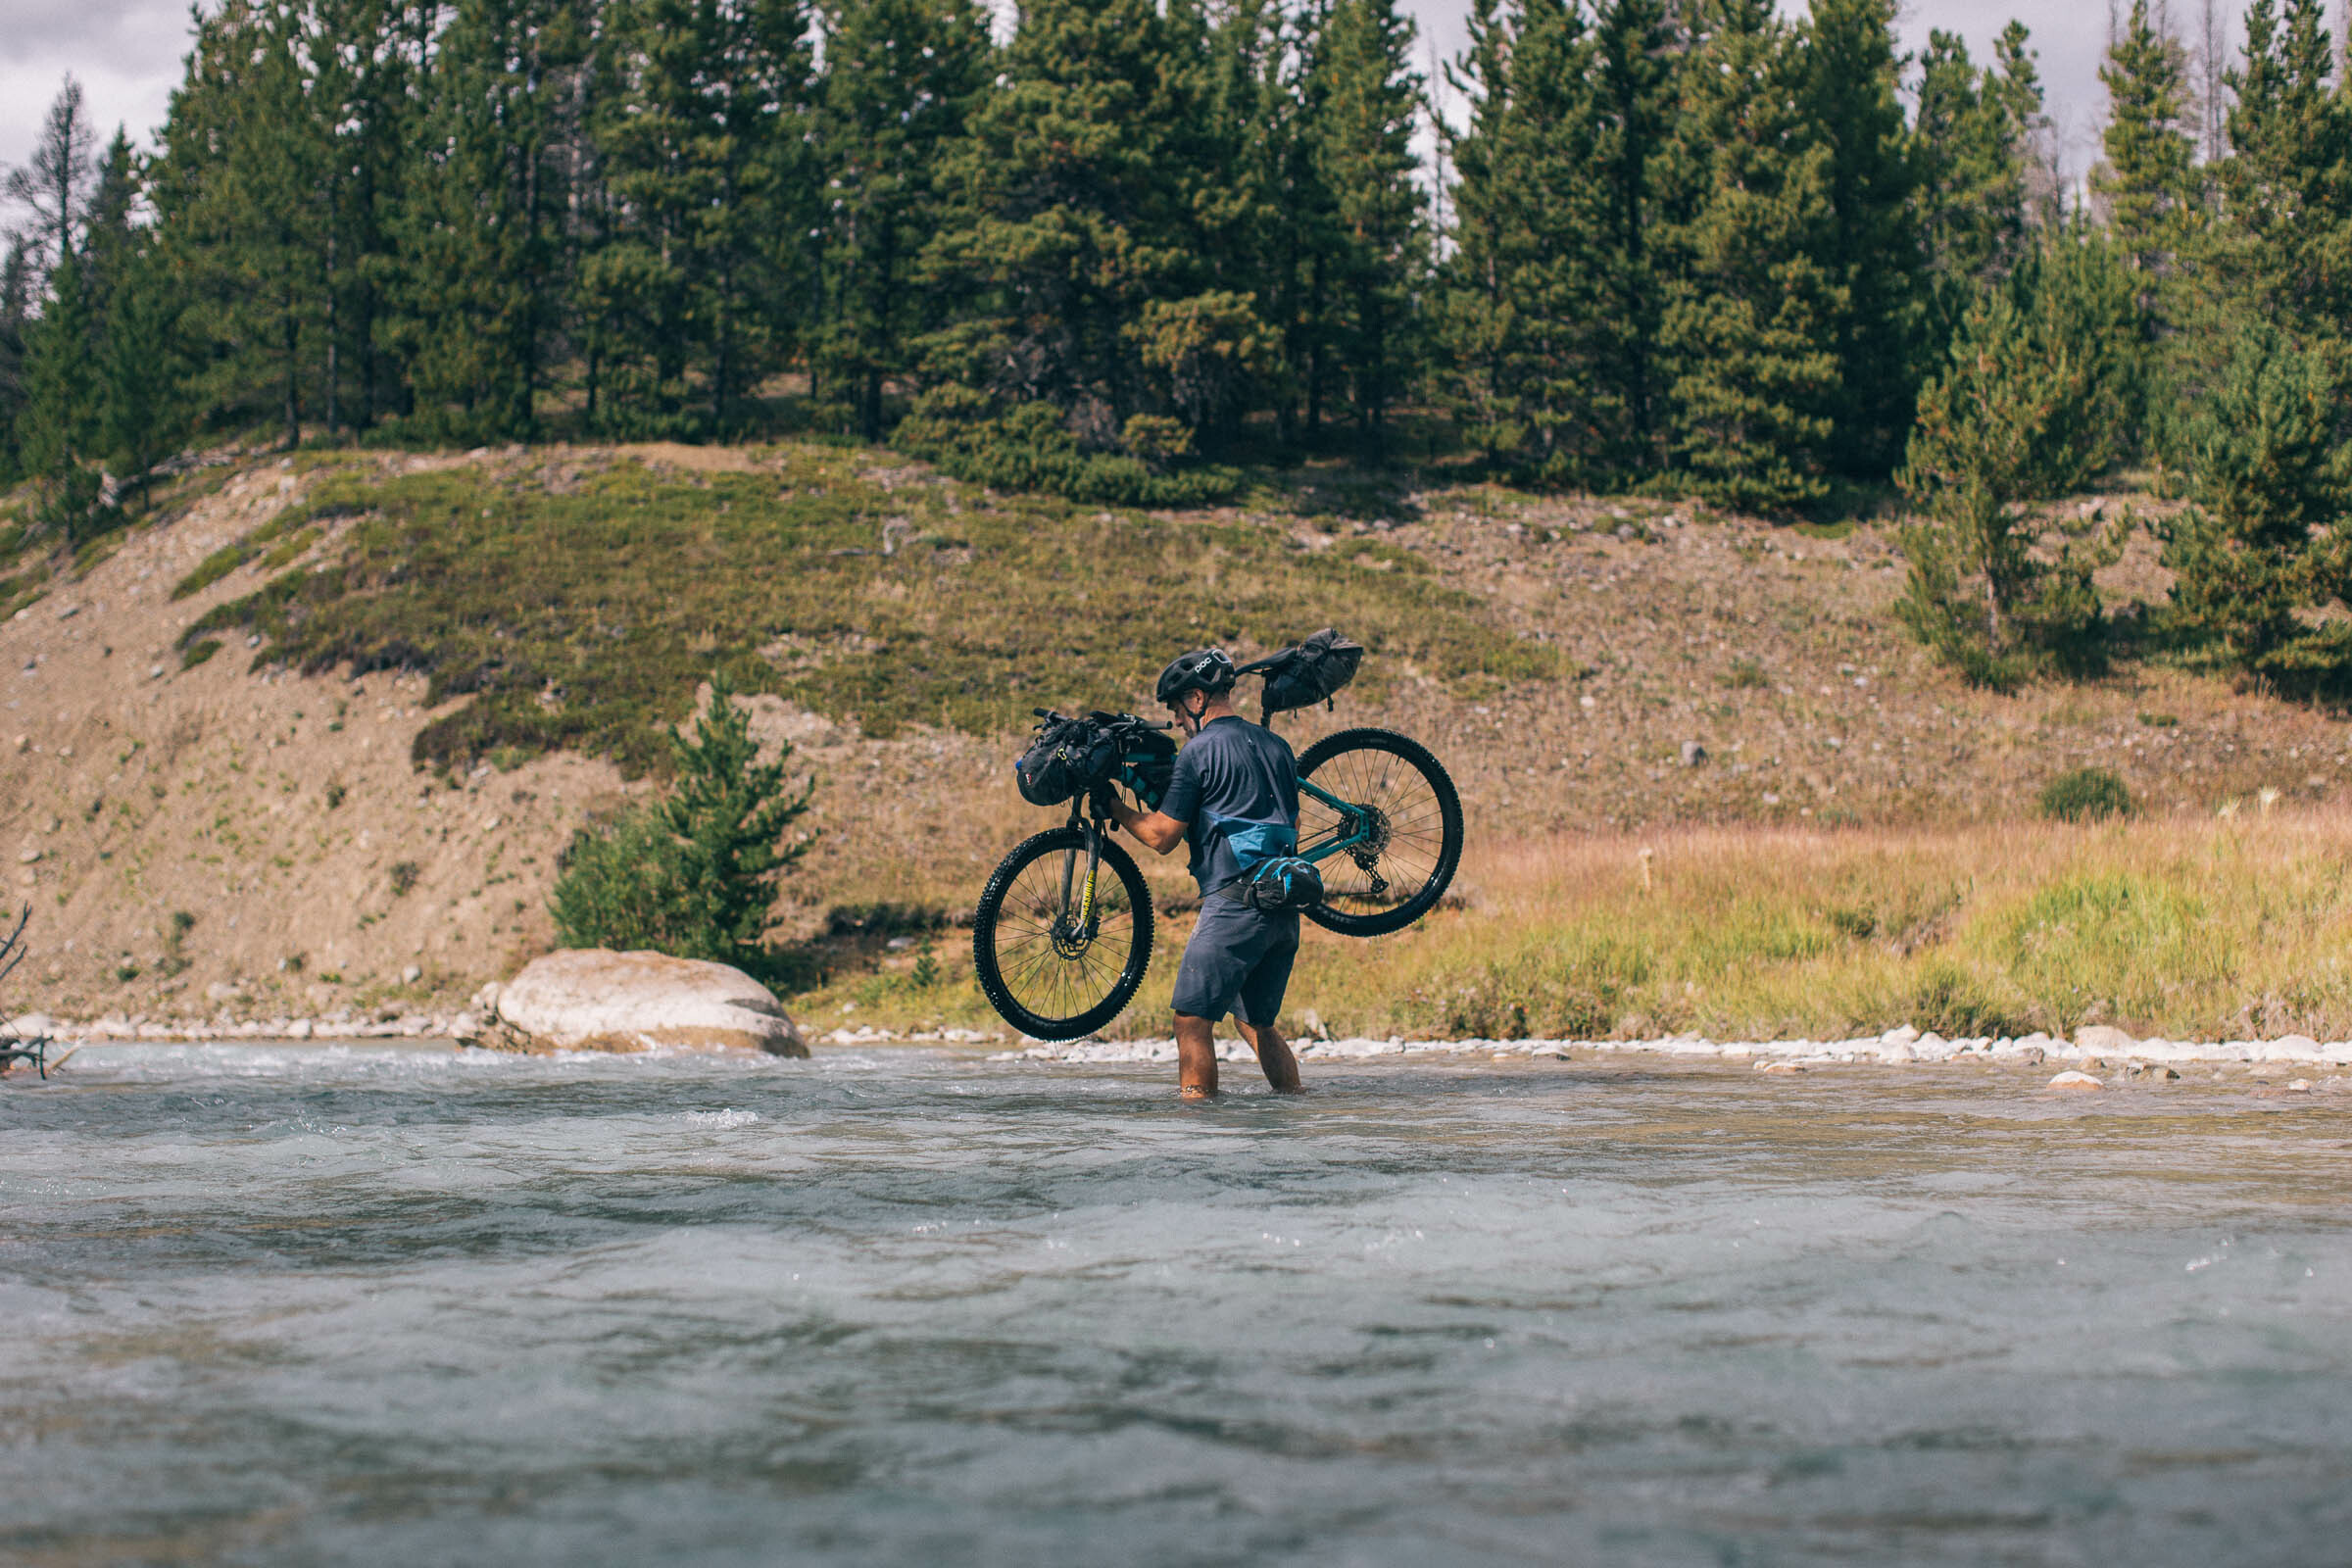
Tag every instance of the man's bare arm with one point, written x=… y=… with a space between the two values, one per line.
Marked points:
x=1155 y=830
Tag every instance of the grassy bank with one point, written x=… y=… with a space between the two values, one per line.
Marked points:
x=2181 y=928
x=580 y=603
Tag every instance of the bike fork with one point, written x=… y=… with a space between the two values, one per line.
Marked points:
x=1080 y=921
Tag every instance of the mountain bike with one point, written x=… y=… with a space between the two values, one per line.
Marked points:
x=1061 y=948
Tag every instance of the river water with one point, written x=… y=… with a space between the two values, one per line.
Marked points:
x=389 y=1305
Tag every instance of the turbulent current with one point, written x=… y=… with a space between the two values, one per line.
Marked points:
x=299 y=1305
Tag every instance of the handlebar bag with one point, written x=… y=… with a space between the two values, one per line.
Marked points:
x=1066 y=760
x=1311 y=672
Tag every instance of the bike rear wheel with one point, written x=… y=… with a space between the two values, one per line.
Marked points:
x=1398 y=875
x=1051 y=968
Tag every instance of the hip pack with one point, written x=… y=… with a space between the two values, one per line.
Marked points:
x=1275 y=878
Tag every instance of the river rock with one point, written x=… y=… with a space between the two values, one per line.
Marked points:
x=2075 y=1080
x=593 y=999
x=2104 y=1040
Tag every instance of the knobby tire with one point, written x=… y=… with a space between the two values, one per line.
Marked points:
x=1381 y=767
x=1019 y=979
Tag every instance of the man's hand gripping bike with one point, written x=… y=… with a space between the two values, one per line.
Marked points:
x=1062 y=935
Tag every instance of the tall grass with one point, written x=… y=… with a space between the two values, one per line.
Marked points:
x=2183 y=928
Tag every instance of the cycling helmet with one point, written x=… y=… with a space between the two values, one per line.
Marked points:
x=1204 y=670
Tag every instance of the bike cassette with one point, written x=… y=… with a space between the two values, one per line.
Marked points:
x=1373 y=823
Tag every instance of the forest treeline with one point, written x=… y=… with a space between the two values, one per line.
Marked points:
x=1134 y=244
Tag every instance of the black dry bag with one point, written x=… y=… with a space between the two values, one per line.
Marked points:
x=1066 y=760
x=1311 y=672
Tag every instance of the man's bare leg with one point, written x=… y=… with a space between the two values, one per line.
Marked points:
x=1196 y=1057
x=1273 y=1055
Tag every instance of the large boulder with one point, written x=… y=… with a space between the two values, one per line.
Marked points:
x=593 y=999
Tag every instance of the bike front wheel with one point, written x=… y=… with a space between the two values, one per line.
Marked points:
x=1056 y=959
x=1404 y=806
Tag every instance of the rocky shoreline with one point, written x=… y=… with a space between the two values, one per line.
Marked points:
x=329 y=1026
x=2091 y=1050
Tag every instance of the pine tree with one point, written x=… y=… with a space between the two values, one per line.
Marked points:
x=239 y=193
x=135 y=363
x=1972 y=140
x=1066 y=214
x=140 y=370
x=58 y=430
x=1870 y=241
x=110 y=239
x=1299 y=211
x=1749 y=332
x=1523 y=319
x=2146 y=182
x=2013 y=418
x=370 y=84
x=1636 y=46
x=474 y=285
x=900 y=77
x=703 y=146
x=55 y=185
x=1361 y=148
x=694 y=875
x=2287 y=240
x=2268 y=466
x=16 y=315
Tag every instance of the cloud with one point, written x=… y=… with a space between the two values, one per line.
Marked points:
x=125 y=53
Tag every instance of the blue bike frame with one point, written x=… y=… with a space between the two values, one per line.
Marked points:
x=1354 y=818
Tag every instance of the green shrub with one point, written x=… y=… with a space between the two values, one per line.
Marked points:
x=1574 y=994
x=2085 y=795
x=293 y=530
x=211 y=568
x=693 y=875
x=1030 y=446
x=1946 y=999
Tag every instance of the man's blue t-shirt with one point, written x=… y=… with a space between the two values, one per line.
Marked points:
x=1231 y=769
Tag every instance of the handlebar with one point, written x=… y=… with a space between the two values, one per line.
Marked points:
x=1106 y=720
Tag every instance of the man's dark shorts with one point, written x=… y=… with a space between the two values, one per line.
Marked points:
x=1238 y=961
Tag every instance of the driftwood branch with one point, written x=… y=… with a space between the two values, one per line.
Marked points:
x=14 y=1047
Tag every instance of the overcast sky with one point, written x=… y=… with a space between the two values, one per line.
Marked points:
x=127 y=54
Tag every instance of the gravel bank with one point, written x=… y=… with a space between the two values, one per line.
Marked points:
x=2090 y=1048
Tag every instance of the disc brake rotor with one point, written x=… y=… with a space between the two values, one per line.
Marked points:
x=1071 y=942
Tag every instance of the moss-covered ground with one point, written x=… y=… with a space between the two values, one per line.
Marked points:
x=580 y=610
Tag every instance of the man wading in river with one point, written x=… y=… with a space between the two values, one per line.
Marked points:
x=1230 y=775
